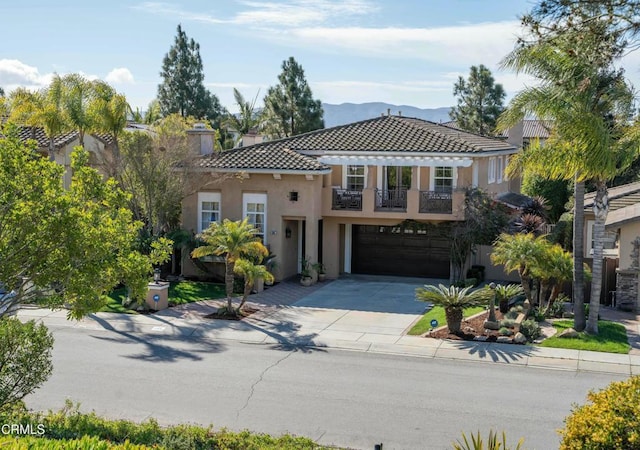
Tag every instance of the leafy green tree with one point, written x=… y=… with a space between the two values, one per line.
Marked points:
x=289 y=106
x=555 y=192
x=235 y=240
x=484 y=221
x=182 y=90
x=250 y=272
x=25 y=358
x=44 y=108
x=480 y=102
x=61 y=246
x=454 y=300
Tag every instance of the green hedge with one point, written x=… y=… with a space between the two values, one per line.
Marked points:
x=84 y=443
x=69 y=425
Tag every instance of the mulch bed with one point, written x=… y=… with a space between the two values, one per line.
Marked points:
x=246 y=312
x=471 y=327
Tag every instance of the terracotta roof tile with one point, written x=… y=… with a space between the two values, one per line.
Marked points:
x=382 y=134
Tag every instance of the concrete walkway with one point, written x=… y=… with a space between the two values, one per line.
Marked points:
x=289 y=317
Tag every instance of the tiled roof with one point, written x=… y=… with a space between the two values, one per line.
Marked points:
x=531 y=129
x=382 y=134
x=257 y=157
x=619 y=197
x=41 y=138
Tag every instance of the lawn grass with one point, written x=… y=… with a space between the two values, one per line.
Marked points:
x=180 y=292
x=437 y=312
x=611 y=338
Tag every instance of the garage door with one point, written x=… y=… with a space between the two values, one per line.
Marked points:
x=411 y=249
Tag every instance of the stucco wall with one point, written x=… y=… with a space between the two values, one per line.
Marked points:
x=628 y=232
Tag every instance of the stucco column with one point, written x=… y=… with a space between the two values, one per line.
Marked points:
x=414 y=177
x=331 y=247
x=311 y=243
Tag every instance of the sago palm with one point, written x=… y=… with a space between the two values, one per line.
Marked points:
x=454 y=300
x=505 y=292
x=234 y=240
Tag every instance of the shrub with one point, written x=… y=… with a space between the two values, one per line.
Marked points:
x=610 y=420
x=537 y=314
x=492 y=443
x=84 y=443
x=504 y=331
x=470 y=282
x=530 y=329
x=556 y=308
x=507 y=323
x=25 y=358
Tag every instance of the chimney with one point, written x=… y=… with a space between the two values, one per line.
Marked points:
x=388 y=111
x=399 y=113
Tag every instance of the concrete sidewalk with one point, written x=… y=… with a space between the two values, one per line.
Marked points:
x=279 y=324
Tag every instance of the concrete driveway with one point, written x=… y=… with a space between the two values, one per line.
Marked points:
x=356 y=309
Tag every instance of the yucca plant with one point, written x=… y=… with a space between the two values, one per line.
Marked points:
x=492 y=443
x=454 y=300
x=504 y=293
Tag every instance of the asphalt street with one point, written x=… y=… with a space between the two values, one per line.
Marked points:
x=346 y=398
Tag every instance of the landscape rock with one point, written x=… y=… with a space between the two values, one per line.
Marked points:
x=504 y=339
x=489 y=325
x=569 y=333
x=480 y=338
x=469 y=329
x=520 y=338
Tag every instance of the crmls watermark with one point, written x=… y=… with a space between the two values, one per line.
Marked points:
x=22 y=429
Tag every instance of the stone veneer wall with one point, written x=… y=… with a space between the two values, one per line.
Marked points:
x=627 y=289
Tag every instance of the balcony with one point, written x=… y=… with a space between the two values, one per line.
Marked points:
x=344 y=199
x=403 y=204
x=432 y=202
x=391 y=200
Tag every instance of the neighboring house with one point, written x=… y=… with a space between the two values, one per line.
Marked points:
x=372 y=197
x=622 y=243
x=522 y=134
x=99 y=147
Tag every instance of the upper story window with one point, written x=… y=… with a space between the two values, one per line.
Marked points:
x=491 y=171
x=254 y=208
x=499 y=169
x=208 y=209
x=355 y=178
x=443 y=179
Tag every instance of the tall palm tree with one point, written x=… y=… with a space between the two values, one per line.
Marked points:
x=44 y=108
x=454 y=300
x=79 y=93
x=234 y=240
x=589 y=102
x=109 y=111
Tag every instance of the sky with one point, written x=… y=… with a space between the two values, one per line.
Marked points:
x=403 y=52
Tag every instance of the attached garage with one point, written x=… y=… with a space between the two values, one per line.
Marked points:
x=409 y=249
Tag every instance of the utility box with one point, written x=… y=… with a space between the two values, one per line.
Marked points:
x=158 y=295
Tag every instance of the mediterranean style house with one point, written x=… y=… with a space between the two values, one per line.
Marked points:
x=372 y=197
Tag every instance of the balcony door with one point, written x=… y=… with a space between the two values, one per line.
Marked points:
x=396 y=177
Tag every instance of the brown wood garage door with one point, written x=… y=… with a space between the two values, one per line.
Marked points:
x=412 y=249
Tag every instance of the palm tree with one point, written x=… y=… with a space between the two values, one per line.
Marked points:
x=454 y=300
x=246 y=119
x=519 y=252
x=43 y=109
x=251 y=272
x=234 y=240
x=504 y=293
x=109 y=110
x=553 y=268
x=79 y=93
x=589 y=102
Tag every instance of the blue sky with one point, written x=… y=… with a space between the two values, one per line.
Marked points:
x=405 y=52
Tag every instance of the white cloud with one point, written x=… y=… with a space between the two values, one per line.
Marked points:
x=14 y=73
x=290 y=13
x=119 y=75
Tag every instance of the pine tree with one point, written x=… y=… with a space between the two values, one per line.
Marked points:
x=289 y=106
x=480 y=102
x=182 y=90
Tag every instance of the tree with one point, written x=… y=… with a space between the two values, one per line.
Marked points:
x=109 y=112
x=484 y=221
x=78 y=94
x=289 y=106
x=44 y=108
x=590 y=103
x=182 y=90
x=251 y=272
x=1 y=92
x=519 y=252
x=556 y=192
x=454 y=300
x=62 y=246
x=247 y=117
x=25 y=358
x=235 y=240
x=480 y=102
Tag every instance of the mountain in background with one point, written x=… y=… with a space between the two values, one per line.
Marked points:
x=351 y=112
